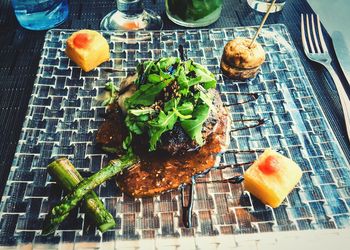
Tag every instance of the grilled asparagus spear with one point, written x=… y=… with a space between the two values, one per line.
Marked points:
x=62 y=209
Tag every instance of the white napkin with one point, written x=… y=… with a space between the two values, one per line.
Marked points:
x=335 y=16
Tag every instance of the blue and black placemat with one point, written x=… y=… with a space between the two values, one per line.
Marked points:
x=20 y=51
x=64 y=114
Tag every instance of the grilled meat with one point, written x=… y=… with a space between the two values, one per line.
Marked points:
x=112 y=131
x=177 y=157
x=176 y=141
x=158 y=172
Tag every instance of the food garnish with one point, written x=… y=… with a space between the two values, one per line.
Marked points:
x=169 y=91
x=272 y=177
x=88 y=49
x=164 y=94
x=112 y=93
x=82 y=40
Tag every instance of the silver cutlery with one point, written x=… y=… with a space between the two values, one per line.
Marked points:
x=316 y=50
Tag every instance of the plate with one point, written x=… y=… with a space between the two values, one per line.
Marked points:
x=278 y=109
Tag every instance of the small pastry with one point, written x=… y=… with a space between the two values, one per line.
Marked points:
x=88 y=49
x=272 y=177
x=239 y=61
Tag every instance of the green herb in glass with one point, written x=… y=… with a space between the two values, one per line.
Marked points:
x=193 y=13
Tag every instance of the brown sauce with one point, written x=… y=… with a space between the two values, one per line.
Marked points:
x=252 y=97
x=157 y=173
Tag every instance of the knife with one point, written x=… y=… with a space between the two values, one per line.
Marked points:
x=342 y=52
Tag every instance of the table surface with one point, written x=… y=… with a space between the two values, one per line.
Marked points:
x=20 y=52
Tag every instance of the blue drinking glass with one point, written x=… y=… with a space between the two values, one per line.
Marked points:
x=40 y=14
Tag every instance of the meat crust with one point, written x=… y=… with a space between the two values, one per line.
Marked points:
x=112 y=131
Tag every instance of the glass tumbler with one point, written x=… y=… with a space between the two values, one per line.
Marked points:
x=263 y=5
x=193 y=13
x=40 y=14
x=131 y=15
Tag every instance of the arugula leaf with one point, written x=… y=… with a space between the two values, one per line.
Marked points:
x=191 y=106
x=193 y=127
x=154 y=78
x=195 y=81
x=208 y=80
x=182 y=80
x=183 y=111
x=207 y=100
x=206 y=96
x=204 y=69
x=188 y=66
x=113 y=90
x=181 y=116
x=169 y=105
x=136 y=124
x=143 y=70
x=144 y=111
x=158 y=126
x=146 y=94
x=166 y=62
x=186 y=108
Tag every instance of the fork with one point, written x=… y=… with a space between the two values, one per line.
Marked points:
x=316 y=50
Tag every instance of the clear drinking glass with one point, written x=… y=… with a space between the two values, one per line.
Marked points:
x=131 y=15
x=40 y=14
x=263 y=5
x=193 y=13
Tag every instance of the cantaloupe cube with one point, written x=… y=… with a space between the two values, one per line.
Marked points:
x=87 y=48
x=272 y=177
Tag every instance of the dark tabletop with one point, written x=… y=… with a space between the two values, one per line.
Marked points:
x=20 y=51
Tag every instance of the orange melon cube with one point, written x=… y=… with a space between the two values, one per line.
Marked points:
x=272 y=177
x=88 y=49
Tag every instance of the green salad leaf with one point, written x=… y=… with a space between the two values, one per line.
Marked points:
x=186 y=108
x=193 y=127
x=113 y=90
x=166 y=62
x=147 y=93
x=158 y=126
x=183 y=81
x=137 y=124
x=143 y=111
x=170 y=92
x=169 y=105
x=207 y=78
